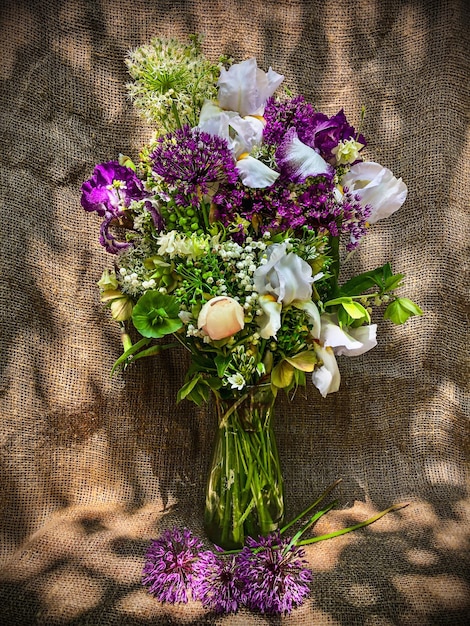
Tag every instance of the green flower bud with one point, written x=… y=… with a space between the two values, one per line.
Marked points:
x=107 y=281
x=121 y=309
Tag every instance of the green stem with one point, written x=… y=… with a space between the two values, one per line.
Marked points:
x=336 y=533
x=174 y=110
x=343 y=531
x=245 y=485
x=312 y=506
x=205 y=215
x=295 y=539
x=335 y=265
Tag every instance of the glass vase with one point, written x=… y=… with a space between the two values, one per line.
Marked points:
x=244 y=494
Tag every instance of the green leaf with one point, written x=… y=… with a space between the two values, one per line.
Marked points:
x=156 y=315
x=304 y=361
x=128 y=353
x=221 y=361
x=282 y=375
x=154 y=350
x=343 y=531
x=356 y=310
x=393 y=282
x=362 y=282
x=299 y=378
x=339 y=300
x=401 y=309
x=187 y=388
x=134 y=352
x=213 y=382
x=350 y=312
x=321 y=497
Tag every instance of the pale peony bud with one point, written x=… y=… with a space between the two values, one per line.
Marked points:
x=221 y=317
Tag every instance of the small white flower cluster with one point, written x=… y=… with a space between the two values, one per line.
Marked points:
x=241 y=262
x=175 y=244
x=243 y=367
x=130 y=282
x=134 y=278
x=167 y=75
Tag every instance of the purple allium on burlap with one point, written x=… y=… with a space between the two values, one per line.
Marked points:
x=169 y=568
x=276 y=578
x=192 y=159
x=218 y=582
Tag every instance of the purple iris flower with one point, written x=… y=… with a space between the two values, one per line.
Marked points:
x=109 y=191
x=326 y=133
x=315 y=129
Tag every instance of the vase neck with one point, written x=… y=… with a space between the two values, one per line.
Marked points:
x=252 y=407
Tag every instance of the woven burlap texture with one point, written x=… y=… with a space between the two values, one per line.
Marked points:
x=92 y=467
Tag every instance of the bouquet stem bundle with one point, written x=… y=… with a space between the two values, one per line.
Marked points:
x=245 y=488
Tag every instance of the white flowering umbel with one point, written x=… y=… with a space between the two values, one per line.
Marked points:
x=171 y=80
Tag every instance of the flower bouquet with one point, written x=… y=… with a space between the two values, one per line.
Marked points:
x=227 y=236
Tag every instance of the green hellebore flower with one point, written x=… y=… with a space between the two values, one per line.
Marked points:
x=156 y=315
x=400 y=309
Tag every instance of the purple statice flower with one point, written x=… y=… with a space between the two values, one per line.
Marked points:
x=281 y=115
x=218 y=582
x=191 y=159
x=326 y=133
x=274 y=574
x=354 y=221
x=169 y=568
x=111 y=188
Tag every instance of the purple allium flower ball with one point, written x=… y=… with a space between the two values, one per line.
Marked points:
x=169 y=568
x=218 y=583
x=275 y=576
x=192 y=159
x=111 y=188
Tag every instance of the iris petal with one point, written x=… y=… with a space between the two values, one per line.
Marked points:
x=255 y=174
x=298 y=161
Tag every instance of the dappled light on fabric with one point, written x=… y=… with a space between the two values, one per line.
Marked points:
x=92 y=466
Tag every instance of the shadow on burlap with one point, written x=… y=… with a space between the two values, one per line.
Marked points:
x=92 y=467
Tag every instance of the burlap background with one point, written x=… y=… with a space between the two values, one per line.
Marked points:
x=93 y=467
